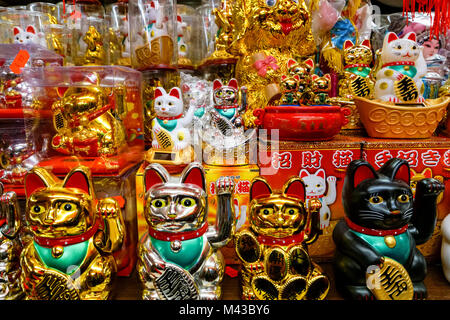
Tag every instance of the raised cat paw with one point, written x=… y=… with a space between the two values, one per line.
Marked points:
x=430 y=186
x=108 y=208
x=224 y=185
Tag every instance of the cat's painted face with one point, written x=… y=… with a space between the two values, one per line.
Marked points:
x=321 y=84
x=289 y=83
x=315 y=183
x=379 y=200
x=57 y=208
x=355 y=54
x=225 y=95
x=280 y=16
x=277 y=215
x=196 y=93
x=28 y=35
x=80 y=100
x=168 y=104
x=175 y=207
x=395 y=49
x=303 y=70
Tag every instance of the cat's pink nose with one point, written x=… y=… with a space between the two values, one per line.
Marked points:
x=396 y=212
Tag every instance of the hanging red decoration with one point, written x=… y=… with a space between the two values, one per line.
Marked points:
x=441 y=8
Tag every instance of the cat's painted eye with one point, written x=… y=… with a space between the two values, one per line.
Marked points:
x=414 y=47
x=291 y=211
x=271 y=3
x=188 y=202
x=403 y=198
x=159 y=103
x=376 y=199
x=68 y=206
x=37 y=209
x=266 y=211
x=170 y=104
x=318 y=185
x=399 y=47
x=159 y=203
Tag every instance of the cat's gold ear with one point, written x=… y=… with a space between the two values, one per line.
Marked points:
x=259 y=188
x=295 y=188
x=366 y=43
x=193 y=174
x=348 y=44
x=79 y=178
x=155 y=174
x=427 y=173
x=38 y=178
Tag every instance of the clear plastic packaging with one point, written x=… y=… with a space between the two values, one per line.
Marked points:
x=153 y=34
x=188 y=36
x=119 y=34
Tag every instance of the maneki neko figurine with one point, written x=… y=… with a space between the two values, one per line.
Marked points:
x=85 y=125
x=274 y=247
x=10 y=246
x=171 y=128
x=179 y=256
x=75 y=234
x=376 y=255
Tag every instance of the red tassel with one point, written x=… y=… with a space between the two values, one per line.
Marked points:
x=441 y=22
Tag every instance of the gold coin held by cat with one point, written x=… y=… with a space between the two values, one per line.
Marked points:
x=390 y=241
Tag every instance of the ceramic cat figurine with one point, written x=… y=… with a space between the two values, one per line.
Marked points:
x=170 y=128
x=74 y=237
x=197 y=93
x=274 y=247
x=316 y=185
x=179 y=258
x=376 y=254
x=226 y=104
x=321 y=87
x=10 y=246
x=356 y=79
x=182 y=42
x=156 y=22
x=85 y=125
x=289 y=87
x=29 y=35
x=402 y=67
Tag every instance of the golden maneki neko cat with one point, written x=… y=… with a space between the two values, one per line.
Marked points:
x=75 y=234
x=85 y=125
x=10 y=246
x=274 y=247
x=267 y=33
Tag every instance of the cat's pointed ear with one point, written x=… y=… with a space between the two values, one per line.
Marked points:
x=260 y=188
x=283 y=77
x=359 y=171
x=320 y=173
x=159 y=92
x=185 y=88
x=152 y=4
x=391 y=36
x=233 y=83
x=291 y=62
x=303 y=173
x=155 y=174
x=80 y=178
x=411 y=36
x=17 y=30
x=396 y=169
x=427 y=173
x=310 y=63
x=314 y=77
x=327 y=76
x=366 y=43
x=217 y=84
x=348 y=44
x=194 y=174
x=295 y=188
x=37 y=178
x=175 y=92
x=297 y=77
x=31 y=29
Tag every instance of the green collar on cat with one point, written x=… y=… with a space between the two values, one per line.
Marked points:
x=69 y=261
x=361 y=69
x=169 y=125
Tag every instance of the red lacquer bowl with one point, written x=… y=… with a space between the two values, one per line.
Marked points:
x=303 y=123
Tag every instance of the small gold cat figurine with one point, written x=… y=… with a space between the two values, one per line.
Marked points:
x=95 y=54
x=321 y=87
x=75 y=234
x=274 y=248
x=85 y=123
x=357 y=79
x=289 y=87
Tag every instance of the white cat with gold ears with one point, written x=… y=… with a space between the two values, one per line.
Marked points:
x=402 y=69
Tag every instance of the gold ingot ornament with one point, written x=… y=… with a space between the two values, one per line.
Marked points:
x=74 y=236
x=274 y=247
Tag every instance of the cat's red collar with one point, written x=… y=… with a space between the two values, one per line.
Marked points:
x=374 y=232
x=356 y=65
x=314 y=197
x=180 y=236
x=271 y=241
x=70 y=240
x=399 y=63
x=171 y=118
x=234 y=106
